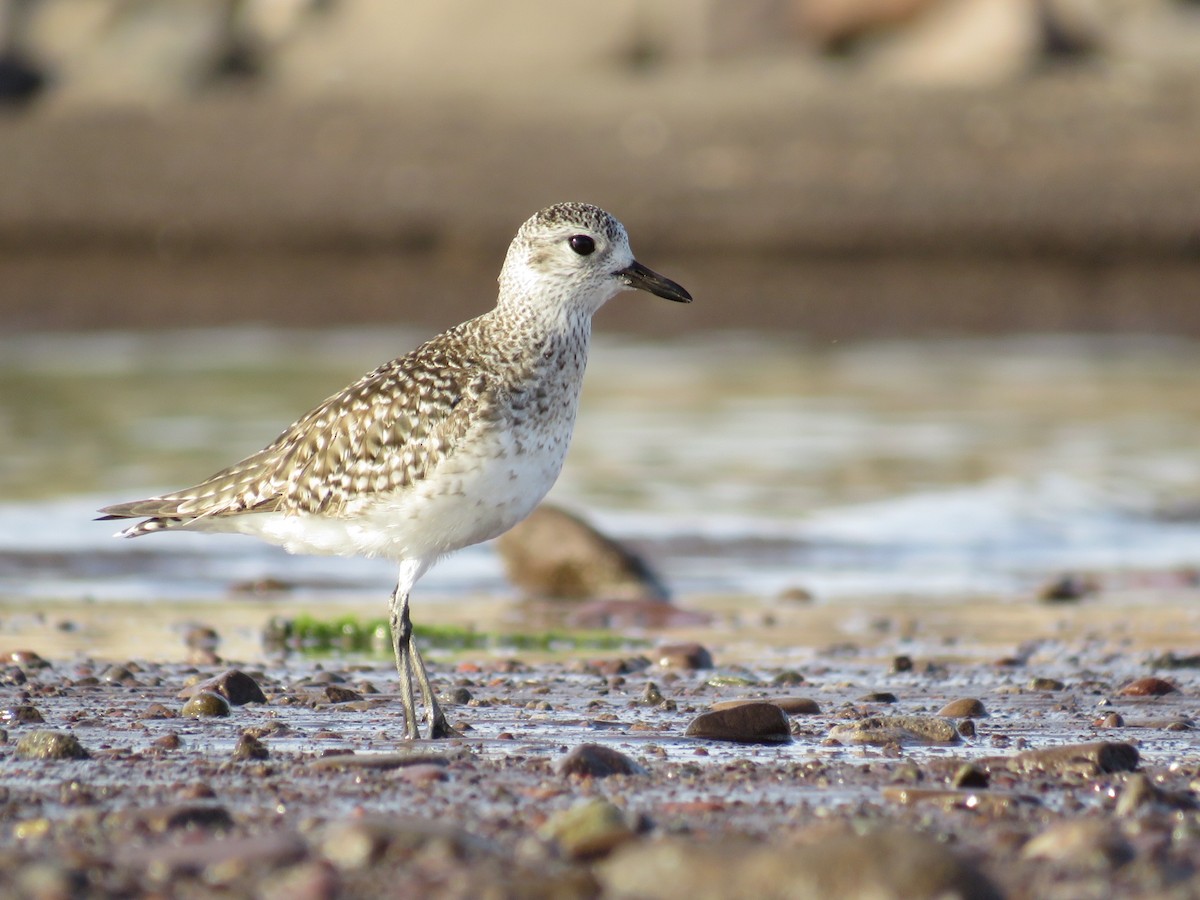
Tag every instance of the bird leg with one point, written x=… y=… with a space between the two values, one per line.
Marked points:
x=408 y=660
x=402 y=648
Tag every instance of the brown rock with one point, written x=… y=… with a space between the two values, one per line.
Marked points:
x=1091 y=759
x=597 y=761
x=335 y=693
x=44 y=744
x=688 y=655
x=588 y=830
x=556 y=554
x=234 y=685
x=1148 y=687
x=746 y=723
x=249 y=747
x=793 y=706
x=205 y=704
x=965 y=708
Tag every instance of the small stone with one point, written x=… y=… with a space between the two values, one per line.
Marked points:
x=24 y=714
x=651 y=696
x=966 y=708
x=1112 y=720
x=45 y=744
x=170 y=741
x=589 y=830
x=118 y=675
x=1090 y=759
x=795 y=594
x=205 y=704
x=966 y=728
x=793 y=706
x=422 y=773
x=879 y=697
x=201 y=637
x=597 y=761
x=746 y=723
x=1069 y=588
x=26 y=659
x=881 y=730
x=731 y=679
x=460 y=696
x=788 y=678
x=1089 y=843
x=1046 y=684
x=902 y=664
x=683 y=656
x=249 y=747
x=158 y=711
x=335 y=693
x=1148 y=687
x=968 y=776
x=234 y=685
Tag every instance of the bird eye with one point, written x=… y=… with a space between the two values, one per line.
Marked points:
x=582 y=244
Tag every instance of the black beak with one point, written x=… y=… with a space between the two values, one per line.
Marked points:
x=643 y=279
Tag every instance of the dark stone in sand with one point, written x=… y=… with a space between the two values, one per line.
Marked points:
x=234 y=685
x=902 y=664
x=176 y=816
x=44 y=744
x=965 y=708
x=250 y=747
x=885 y=865
x=968 y=776
x=26 y=659
x=1148 y=687
x=597 y=761
x=1089 y=759
x=683 y=656
x=335 y=693
x=204 y=705
x=25 y=714
x=788 y=677
x=118 y=675
x=1068 y=589
x=556 y=554
x=746 y=723
x=460 y=696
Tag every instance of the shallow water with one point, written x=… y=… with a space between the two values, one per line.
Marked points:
x=739 y=464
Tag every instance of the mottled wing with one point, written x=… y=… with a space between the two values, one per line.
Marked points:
x=381 y=434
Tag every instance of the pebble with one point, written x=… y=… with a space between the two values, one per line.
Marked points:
x=878 y=697
x=381 y=760
x=175 y=817
x=597 y=761
x=250 y=747
x=965 y=708
x=233 y=684
x=26 y=659
x=1088 y=843
x=747 y=723
x=1090 y=759
x=45 y=744
x=902 y=664
x=158 y=711
x=879 y=730
x=683 y=656
x=1046 y=684
x=651 y=696
x=422 y=773
x=23 y=714
x=588 y=830
x=888 y=865
x=205 y=704
x=335 y=693
x=788 y=678
x=1148 y=687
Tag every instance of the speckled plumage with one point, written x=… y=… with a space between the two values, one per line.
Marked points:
x=447 y=446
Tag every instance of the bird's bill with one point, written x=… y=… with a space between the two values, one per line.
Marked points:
x=643 y=279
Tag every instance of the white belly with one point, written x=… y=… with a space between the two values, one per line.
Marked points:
x=490 y=483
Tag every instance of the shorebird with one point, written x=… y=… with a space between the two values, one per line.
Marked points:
x=445 y=447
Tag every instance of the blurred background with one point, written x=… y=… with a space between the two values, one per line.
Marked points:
x=945 y=255
x=840 y=168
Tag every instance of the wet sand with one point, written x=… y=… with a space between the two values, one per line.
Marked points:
x=326 y=799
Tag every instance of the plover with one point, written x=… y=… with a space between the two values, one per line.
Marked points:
x=445 y=447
